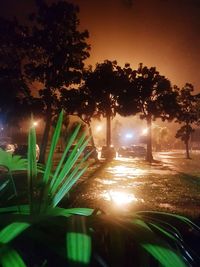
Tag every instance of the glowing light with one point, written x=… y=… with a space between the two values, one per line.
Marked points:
x=129 y=135
x=145 y=131
x=119 y=198
x=99 y=128
x=35 y=123
x=120 y=170
x=106 y=182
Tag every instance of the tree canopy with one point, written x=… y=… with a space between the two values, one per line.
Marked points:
x=55 y=56
x=13 y=86
x=187 y=114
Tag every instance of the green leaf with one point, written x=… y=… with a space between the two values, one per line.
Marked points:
x=4 y=185
x=24 y=209
x=169 y=216
x=71 y=160
x=63 y=158
x=78 y=247
x=163 y=231
x=32 y=167
x=12 y=230
x=44 y=193
x=67 y=185
x=12 y=162
x=78 y=241
x=68 y=212
x=10 y=258
x=54 y=142
x=166 y=256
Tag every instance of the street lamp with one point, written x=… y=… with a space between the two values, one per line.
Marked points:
x=35 y=123
x=99 y=128
x=129 y=136
x=145 y=131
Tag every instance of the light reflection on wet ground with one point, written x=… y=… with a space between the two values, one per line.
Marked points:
x=132 y=184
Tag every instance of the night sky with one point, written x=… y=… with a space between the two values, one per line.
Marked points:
x=161 y=33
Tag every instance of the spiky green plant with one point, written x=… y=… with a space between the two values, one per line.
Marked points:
x=42 y=234
x=11 y=164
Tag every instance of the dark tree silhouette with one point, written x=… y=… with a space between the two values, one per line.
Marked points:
x=78 y=102
x=14 y=90
x=56 y=54
x=128 y=96
x=157 y=99
x=102 y=87
x=187 y=114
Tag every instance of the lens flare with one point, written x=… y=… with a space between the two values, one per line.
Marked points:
x=119 y=198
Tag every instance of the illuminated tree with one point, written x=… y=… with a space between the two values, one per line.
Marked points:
x=157 y=99
x=56 y=54
x=128 y=95
x=102 y=86
x=187 y=114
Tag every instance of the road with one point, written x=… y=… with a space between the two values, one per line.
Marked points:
x=171 y=184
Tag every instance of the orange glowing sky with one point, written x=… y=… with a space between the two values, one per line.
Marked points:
x=161 y=33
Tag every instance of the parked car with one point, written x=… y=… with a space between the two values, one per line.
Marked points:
x=132 y=151
x=125 y=152
x=108 y=152
x=87 y=150
x=139 y=151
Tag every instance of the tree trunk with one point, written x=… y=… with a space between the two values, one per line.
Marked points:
x=92 y=142
x=45 y=136
x=108 y=130
x=149 y=156
x=90 y=133
x=187 y=141
x=187 y=149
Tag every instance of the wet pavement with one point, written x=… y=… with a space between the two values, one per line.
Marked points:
x=171 y=184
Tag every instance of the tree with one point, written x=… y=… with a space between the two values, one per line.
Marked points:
x=13 y=87
x=161 y=137
x=128 y=94
x=187 y=114
x=157 y=99
x=78 y=102
x=56 y=54
x=102 y=86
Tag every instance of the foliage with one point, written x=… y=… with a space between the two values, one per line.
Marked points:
x=184 y=133
x=187 y=114
x=157 y=99
x=102 y=86
x=14 y=89
x=80 y=103
x=128 y=96
x=10 y=164
x=56 y=51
